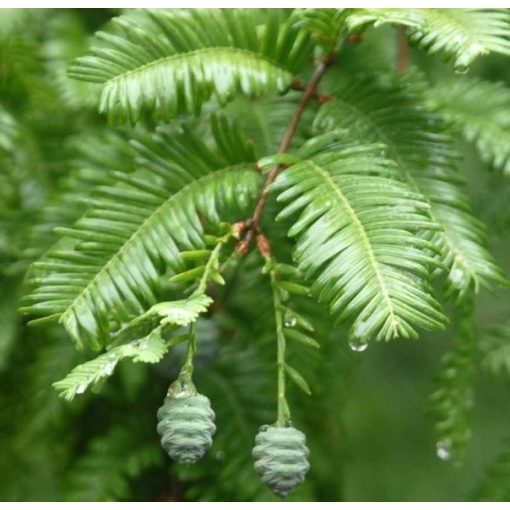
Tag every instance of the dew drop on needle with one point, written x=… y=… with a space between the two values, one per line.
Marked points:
x=290 y=320
x=444 y=449
x=358 y=345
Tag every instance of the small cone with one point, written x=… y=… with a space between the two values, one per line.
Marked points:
x=281 y=458
x=186 y=424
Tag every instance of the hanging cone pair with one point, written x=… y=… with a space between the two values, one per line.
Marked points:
x=186 y=426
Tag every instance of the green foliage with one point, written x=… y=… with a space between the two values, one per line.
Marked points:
x=389 y=110
x=496 y=350
x=459 y=34
x=164 y=314
x=8 y=326
x=122 y=248
x=103 y=473
x=68 y=41
x=19 y=186
x=463 y=34
x=452 y=401
x=196 y=53
x=264 y=121
x=15 y=20
x=149 y=349
x=480 y=111
x=94 y=157
x=355 y=240
x=325 y=25
x=496 y=487
x=140 y=242
x=9 y=132
x=359 y=18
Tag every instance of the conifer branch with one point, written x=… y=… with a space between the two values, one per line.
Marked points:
x=310 y=91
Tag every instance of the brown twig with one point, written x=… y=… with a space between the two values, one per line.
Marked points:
x=320 y=98
x=402 y=50
x=309 y=92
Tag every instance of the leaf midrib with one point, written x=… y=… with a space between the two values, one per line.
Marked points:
x=188 y=54
x=116 y=256
x=395 y=155
x=364 y=239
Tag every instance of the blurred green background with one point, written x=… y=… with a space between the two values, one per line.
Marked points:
x=366 y=423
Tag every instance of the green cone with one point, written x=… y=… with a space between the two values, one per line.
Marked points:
x=281 y=458
x=186 y=424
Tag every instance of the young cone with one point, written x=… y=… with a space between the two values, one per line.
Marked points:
x=186 y=423
x=281 y=458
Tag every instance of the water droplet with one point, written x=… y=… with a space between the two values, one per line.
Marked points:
x=284 y=295
x=362 y=328
x=444 y=449
x=108 y=368
x=461 y=69
x=81 y=389
x=358 y=345
x=220 y=455
x=289 y=320
x=456 y=275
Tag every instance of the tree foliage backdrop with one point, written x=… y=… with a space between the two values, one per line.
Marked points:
x=300 y=213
